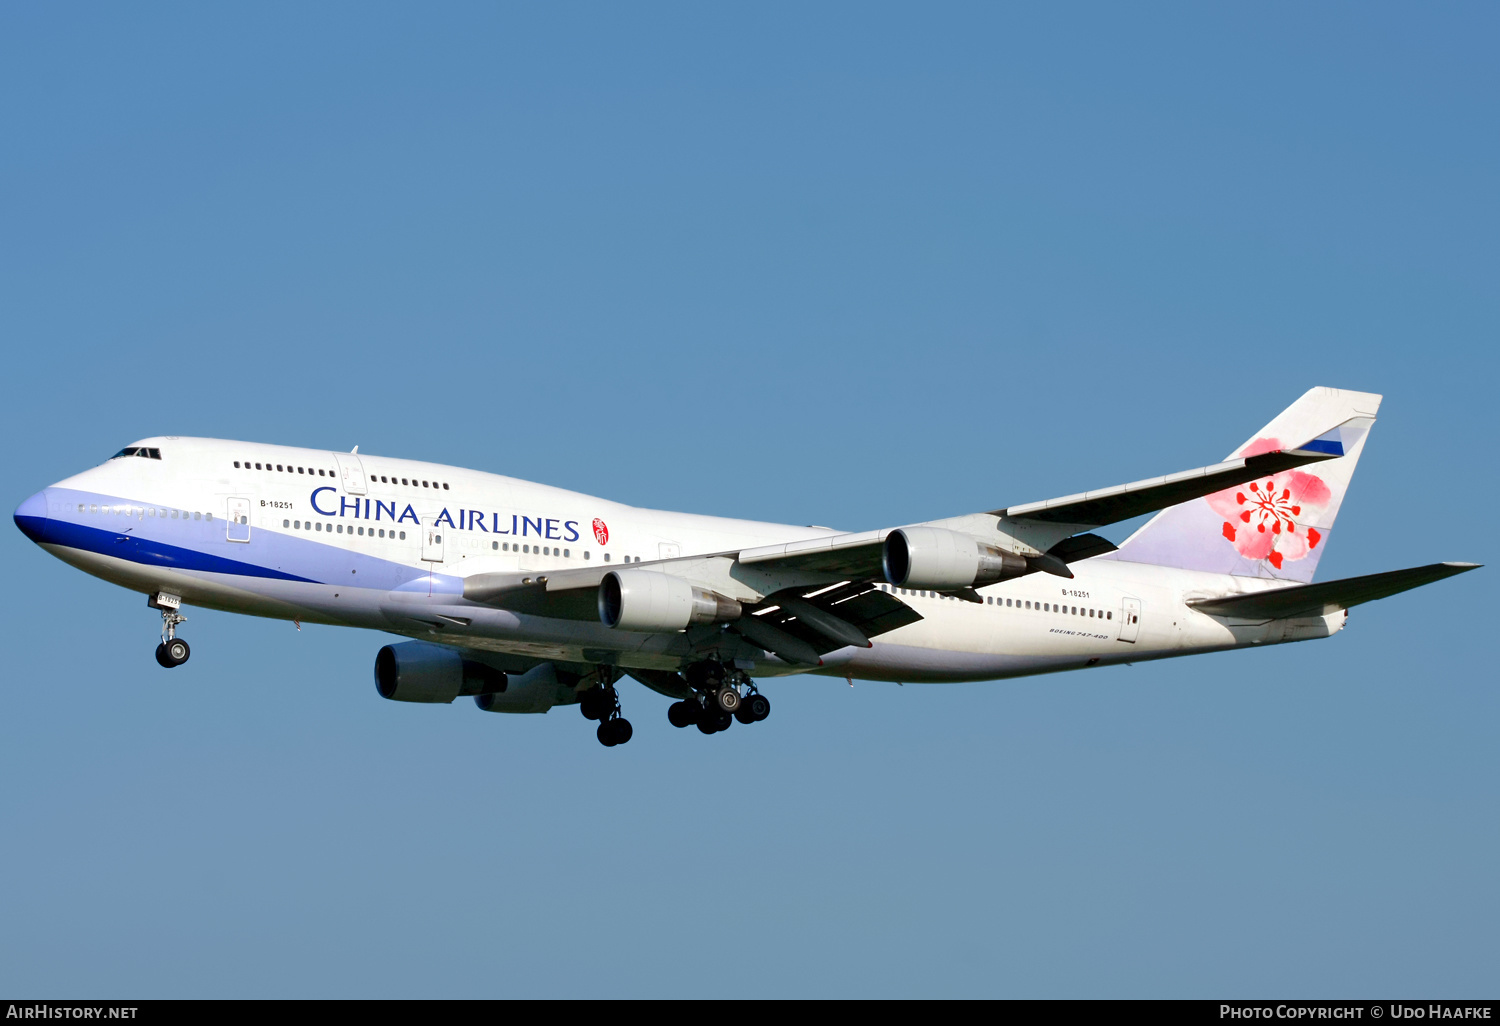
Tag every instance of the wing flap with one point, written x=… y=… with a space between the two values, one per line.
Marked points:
x=1327 y=596
x=866 y=608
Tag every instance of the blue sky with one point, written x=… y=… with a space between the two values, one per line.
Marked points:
x=841 y=264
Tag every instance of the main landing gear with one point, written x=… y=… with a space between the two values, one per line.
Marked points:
x=602 y=702
x=717 y=699
x=172 y=651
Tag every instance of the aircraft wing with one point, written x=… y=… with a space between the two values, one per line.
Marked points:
x=1327 y=596
x=1051 y=535
x=1111 y=505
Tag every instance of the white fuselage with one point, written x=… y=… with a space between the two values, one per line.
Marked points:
x=363 y=540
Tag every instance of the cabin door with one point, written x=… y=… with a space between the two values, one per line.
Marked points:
x=1130 y=619
x=432 y=543
x=239 y=520
x=351 y=471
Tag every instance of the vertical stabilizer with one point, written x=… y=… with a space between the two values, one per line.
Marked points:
x=1277 y=527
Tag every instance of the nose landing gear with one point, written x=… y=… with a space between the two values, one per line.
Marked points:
x=172 y=651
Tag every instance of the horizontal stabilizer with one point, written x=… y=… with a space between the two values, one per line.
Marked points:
x=1328 y=596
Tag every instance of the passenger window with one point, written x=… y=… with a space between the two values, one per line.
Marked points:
x=236 y=464
x=286 y=523
x=403 y=536
x=566 y=554
x=606 y=557
x=340 y=528
x=495 y=545
x=585 y=553
x=1109 y=616
x=257 y=466
x=445 y=486
x=197 y=516
x=301 y=470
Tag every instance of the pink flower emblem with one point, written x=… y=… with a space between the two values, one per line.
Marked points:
x=1265 y=519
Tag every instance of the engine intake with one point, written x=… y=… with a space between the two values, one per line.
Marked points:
x=415 y=671
x=645 y=600
x=931 y=557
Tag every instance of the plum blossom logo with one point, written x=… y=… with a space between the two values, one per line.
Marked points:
x=601 y=532
x=1266 y=518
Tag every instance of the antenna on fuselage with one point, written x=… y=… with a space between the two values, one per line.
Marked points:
x=354 y=451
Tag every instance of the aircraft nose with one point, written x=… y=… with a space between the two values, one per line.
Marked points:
x=31 y=517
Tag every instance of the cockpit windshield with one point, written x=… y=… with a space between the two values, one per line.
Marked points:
x=138 y=450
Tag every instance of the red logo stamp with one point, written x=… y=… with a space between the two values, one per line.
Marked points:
x=601 y=531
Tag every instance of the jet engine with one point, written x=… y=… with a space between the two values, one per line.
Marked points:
x=931 y=557
x=415 y=671
x=645 y=600
x=534 y=691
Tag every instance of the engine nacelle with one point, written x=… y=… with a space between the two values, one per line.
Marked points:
x=415 y=671
x=645 y=600
x=931 y=557
x=534 y=691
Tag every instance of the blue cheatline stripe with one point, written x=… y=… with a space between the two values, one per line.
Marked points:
x=142 y=550
x=1332 y=446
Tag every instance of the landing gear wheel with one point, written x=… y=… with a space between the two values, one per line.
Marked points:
x=682 y=714
x=614 y=732
x=714 y=720
x=744 y=715
x=597 y=703
x=758 y=706
x=728 y=699
x=173 y=653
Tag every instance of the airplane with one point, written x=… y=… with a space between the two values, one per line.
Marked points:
x=528 y=597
